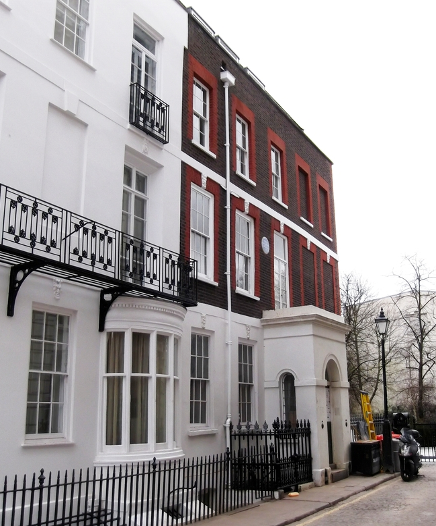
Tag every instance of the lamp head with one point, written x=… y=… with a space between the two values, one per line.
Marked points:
x=382 y=323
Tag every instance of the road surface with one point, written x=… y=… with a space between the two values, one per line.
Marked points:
x=392 y=503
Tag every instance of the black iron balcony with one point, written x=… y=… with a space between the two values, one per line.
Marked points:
x=38 y=236
x=149 y=113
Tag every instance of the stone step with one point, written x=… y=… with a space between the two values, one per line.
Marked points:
x=339 y=474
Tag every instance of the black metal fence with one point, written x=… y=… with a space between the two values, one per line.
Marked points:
x=149 y=494
x=149 y=113
x=267 y=459
x=165 y=493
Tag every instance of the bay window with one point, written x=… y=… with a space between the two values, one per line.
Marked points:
x=139 y=385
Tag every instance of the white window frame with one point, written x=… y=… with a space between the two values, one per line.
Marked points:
x=246 y=383
x=244 y=253
x=80 y=20
x=281 y=267
x=64 y=435
x=146 y=54
x=276 y=172
x=202 y=118
x=125 y=449
x=131 y=192
x=206 y=237
x=242 y=148
x=200 y=376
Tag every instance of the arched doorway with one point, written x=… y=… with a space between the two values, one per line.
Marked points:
x=331 y=375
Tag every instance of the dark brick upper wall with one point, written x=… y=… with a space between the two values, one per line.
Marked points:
x=267 y=114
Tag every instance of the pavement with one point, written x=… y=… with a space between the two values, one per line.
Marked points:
x=309 y=501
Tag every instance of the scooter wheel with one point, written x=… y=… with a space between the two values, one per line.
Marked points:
x=407 y=477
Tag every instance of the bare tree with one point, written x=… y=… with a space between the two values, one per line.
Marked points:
x=416 y=308
x=363 y=356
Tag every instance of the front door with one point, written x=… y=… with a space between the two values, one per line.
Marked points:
x=329 y=424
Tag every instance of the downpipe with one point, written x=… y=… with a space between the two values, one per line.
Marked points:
x=228 y=80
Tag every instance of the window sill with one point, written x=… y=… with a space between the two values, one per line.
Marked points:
x=109 y=459
x=5 y=5
x=245 y=178
x=280 y=202
x=207 y=280
x=308 y=223
x=203 y=431
x=203 y=149
x=38 y=442
x=83 y=61
x=243 y=292
x=326 y=236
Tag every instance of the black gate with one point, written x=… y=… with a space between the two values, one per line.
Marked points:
x=428 y=441
x=267 y=460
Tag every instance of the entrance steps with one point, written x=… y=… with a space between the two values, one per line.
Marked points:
x=337 y=474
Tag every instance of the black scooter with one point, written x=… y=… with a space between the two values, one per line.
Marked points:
x=410 y=460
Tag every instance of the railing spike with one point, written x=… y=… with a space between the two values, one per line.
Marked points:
x=41 y=477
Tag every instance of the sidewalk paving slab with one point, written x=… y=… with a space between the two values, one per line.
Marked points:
x=293 y=509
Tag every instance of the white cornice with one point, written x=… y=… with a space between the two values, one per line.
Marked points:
x=259 y=204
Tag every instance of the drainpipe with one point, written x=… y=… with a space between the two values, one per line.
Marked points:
x=228 y=80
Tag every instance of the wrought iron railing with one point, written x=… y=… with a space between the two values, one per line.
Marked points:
x=267 y=459
x=148 y=493
x=36 y=235
x=149 y=113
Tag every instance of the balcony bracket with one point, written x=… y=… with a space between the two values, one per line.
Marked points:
x=107 y=297
x=16 y=278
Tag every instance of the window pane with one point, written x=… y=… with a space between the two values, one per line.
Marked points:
x=37 y=325
x=139 y=410
x=50 y=327
x=84 y=8
x=176 y=357
x=63 y=326
x=74 y=4
x=140 y=352
x=32 y=387
x=114 y=407
x=61 y=358
x=161 y=414
x=162 y=354
x=45 y=387
x=141 y=183
x=144 y=39
x=35 y=355
x=49 y=357
x=127 y=176
x=31 y=416
x=44 y=418
x=58 y=388
x=115 y=352
x=56 y=418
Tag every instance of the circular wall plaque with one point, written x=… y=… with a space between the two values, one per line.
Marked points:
x=265 y=245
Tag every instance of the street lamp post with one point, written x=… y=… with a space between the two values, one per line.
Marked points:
x=382 y=324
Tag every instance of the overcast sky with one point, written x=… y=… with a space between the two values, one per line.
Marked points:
x=359 y=77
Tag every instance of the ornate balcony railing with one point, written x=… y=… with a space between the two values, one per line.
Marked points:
x=39 y=236
x=149 y=113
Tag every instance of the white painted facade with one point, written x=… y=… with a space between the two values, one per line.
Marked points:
x=65 y=138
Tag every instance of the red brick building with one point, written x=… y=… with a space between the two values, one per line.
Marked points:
x=257 y=213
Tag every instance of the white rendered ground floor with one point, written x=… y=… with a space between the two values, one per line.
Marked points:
x=161 y=381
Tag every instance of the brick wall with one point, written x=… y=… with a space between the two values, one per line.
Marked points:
x=313 y=279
